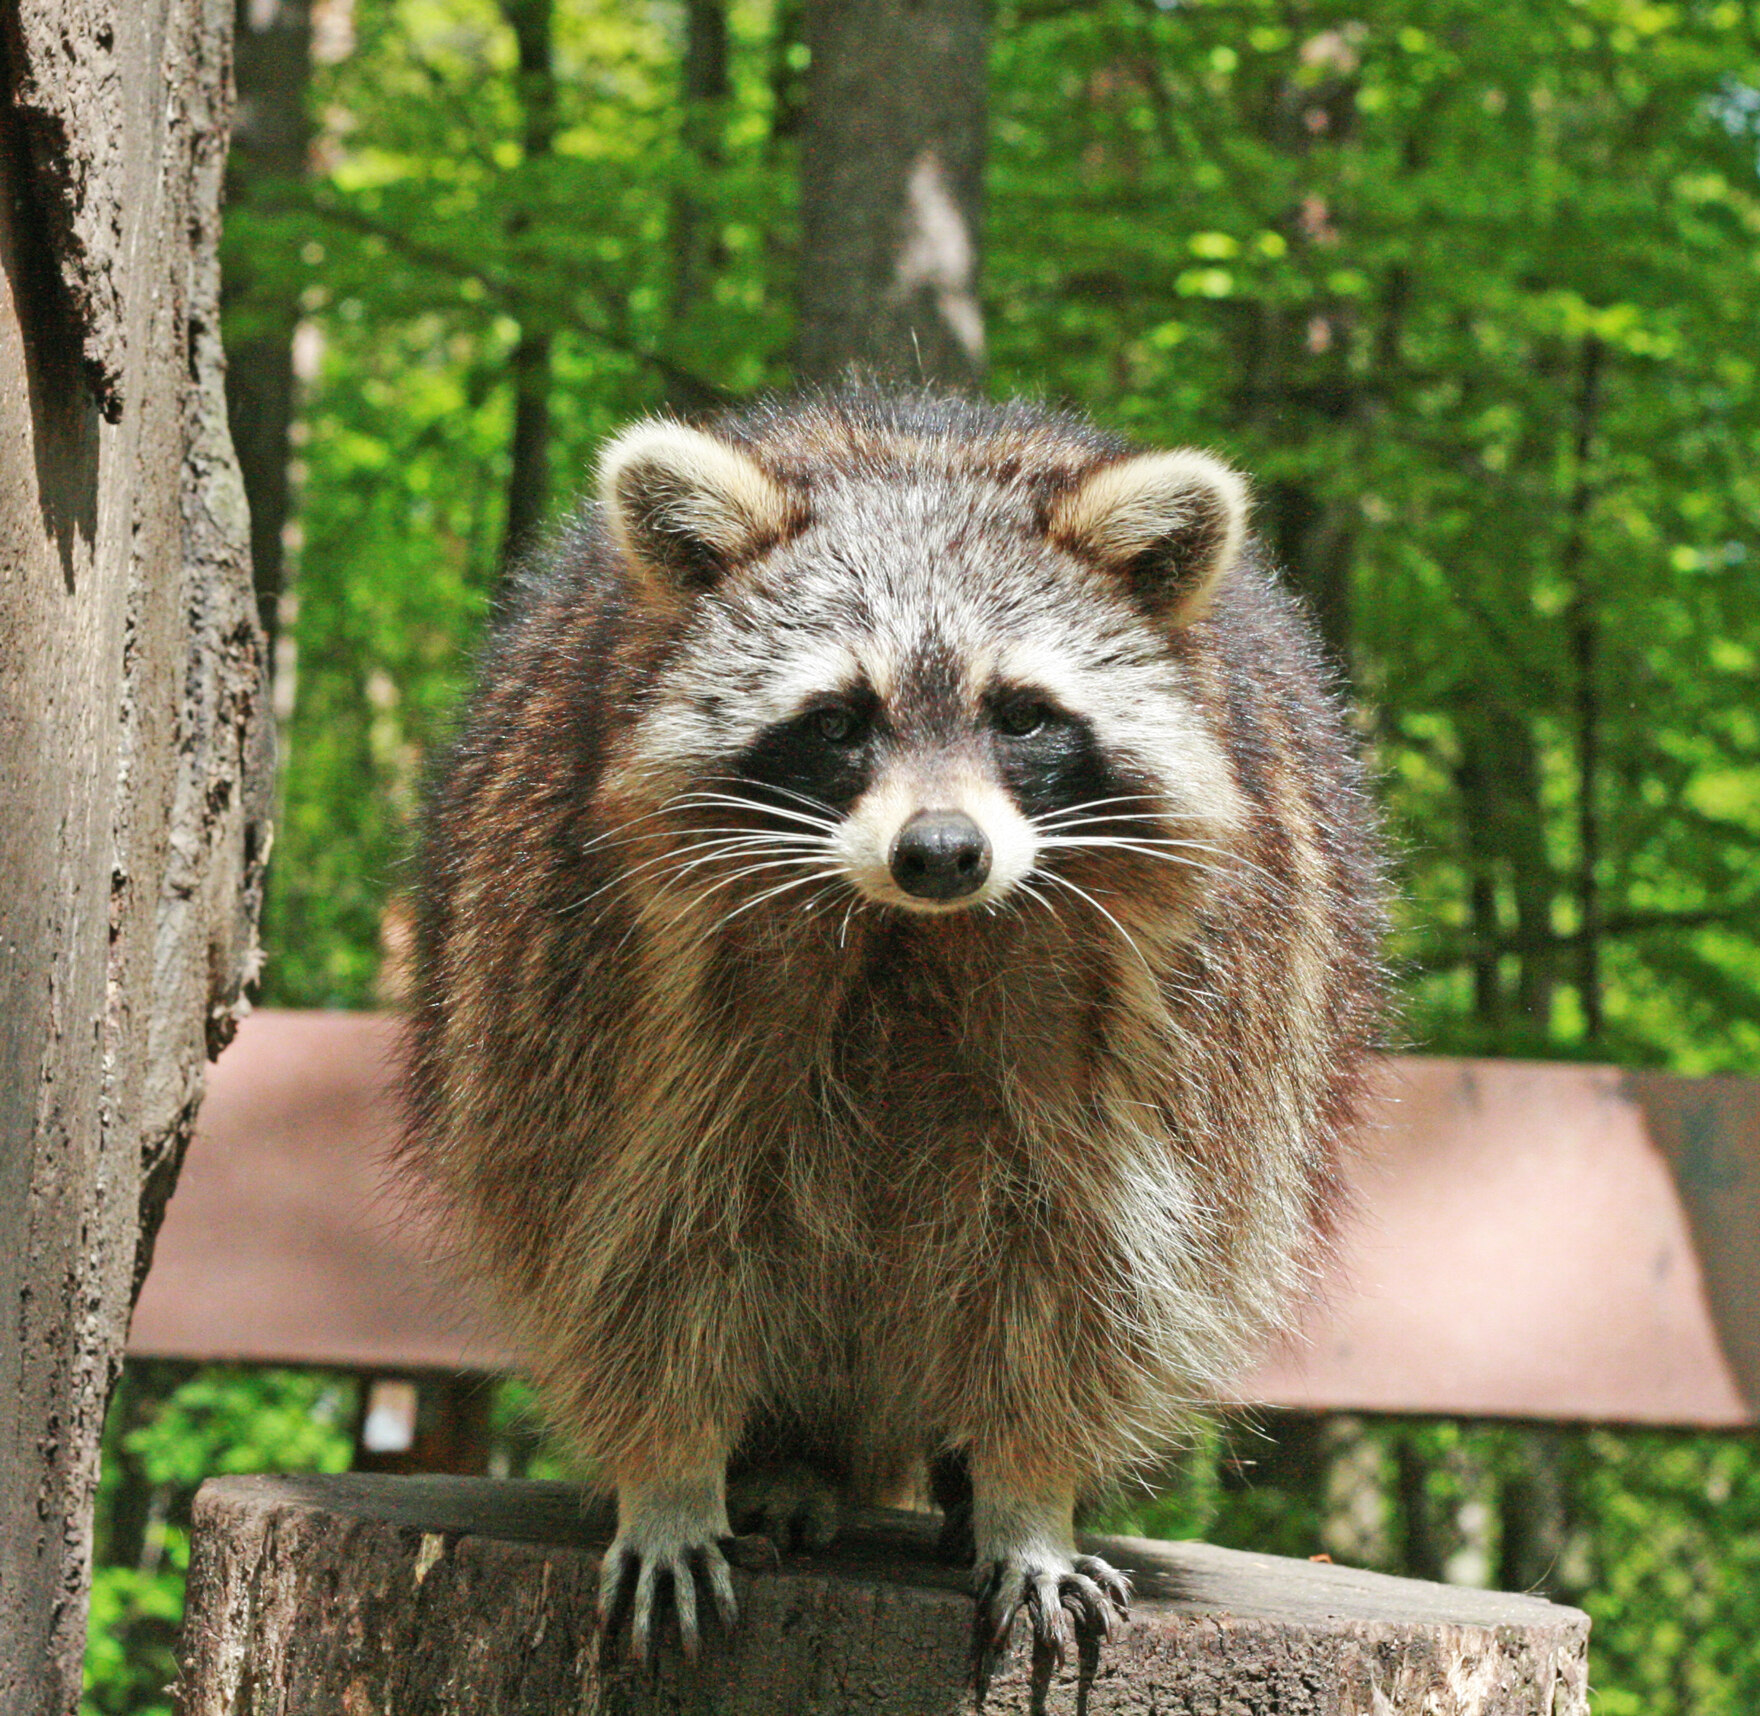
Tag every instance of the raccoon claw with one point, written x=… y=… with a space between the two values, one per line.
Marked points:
x=1071 y=1606
x=1113 y=1583
x=632 y=1586
x=793 y=1506
x=753 y=1551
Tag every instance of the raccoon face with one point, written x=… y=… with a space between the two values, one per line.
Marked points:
x=939 y=804
x=932 y=688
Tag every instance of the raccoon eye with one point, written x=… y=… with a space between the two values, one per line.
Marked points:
x=1021 y=717
x=837 y=724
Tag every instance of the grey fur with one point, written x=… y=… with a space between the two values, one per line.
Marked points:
x=769 y=1159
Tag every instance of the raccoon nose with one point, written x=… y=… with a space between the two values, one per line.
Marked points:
x=940 y=855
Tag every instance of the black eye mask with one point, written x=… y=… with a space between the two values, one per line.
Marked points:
x=826 y=753
x=1049 y=759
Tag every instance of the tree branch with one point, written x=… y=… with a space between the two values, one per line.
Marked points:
x=698 y=392
x=1444 y=951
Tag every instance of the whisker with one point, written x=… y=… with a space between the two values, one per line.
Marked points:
x=826 y=823
x=817 y=905
x=1130 y=819
x=721 y=882
x=781 y=791
x=1143 y=843
x=698 y=852
x=758 y=900
x=626 y=833
x=1063 y=830
x=739 y=850
x=1065 y=882
x=1116 y=845
x=1053 y=817
x=622 y=828
x=1007 y=903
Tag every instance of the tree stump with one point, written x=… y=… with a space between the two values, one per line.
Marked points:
x=367 y=1596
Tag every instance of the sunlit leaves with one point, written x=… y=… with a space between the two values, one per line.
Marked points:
x=1465 y=200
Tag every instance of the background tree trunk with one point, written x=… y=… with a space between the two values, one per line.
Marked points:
x=703 y=88
x=270 y=137
x=133 y=771
x=892 y=156
x=528 y=477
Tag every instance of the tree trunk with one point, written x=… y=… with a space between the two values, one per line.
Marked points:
x=358 y=1596
x=1585 y=648
x=788 y=83
x=892 y=155
x=270 y=137
x=1534 y=1516
x=703 y=92
x=528 y=477
x=1503 y=826
x=1476 y=789
x=133 y=765
x=528 y=473
x=1314 y=542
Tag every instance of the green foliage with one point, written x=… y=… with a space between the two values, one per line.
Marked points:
x=131 y=1663
x=1676 y=1593
x=168 y=1428
x=523 y=1448
x=1656 y=1534
x=428 y=242
x=1469 y=288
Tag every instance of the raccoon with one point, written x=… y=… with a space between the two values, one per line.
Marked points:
x=897 y=965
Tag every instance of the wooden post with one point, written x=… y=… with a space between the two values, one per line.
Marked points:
x=356 y=1596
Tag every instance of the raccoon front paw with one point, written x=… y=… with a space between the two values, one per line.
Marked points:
x=635 y=1581
x=1071 y=1601
x=794 y=1506
x=668 y=1547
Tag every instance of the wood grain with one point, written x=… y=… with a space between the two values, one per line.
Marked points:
x=354 y=1595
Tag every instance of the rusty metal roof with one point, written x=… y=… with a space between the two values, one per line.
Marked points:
x=1531 y=1240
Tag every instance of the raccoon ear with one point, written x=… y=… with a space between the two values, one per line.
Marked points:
x=687 y=507
x=1170 y=524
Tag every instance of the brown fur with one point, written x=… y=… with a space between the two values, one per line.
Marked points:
x=883 y=1187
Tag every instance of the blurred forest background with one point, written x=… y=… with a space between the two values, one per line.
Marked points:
x=1473 y=289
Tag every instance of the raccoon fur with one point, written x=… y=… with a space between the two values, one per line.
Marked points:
x=898 y=958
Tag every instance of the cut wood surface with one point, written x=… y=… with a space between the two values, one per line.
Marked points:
x=354 y=1596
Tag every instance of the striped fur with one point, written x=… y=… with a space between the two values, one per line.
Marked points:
x=762 y=1154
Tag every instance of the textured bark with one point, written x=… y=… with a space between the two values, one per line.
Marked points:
x=1315 y=541
x=892 y=156
x=352 y=1596
x=703 y=89
x=132 y=773
x=270 y=138
x=528 y=477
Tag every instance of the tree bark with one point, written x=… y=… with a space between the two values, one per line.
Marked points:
x=1585 y=650
x=133 y=765
x=528 y=477
x=703 y=92
x=1315 y=543
x=358 y=1596
x=1503 y=834
x=892 y=156
x=270 y=138
x=528 y=471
